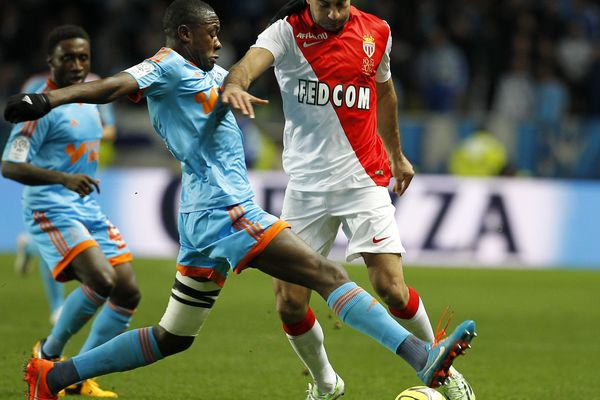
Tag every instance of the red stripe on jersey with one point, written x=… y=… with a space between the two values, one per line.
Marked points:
x=350 y=57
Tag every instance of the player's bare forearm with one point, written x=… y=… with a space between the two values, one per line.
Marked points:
x=387 y=119
x=240 y=76
x=388 y=128
x=251 y=66
x=96 y=92
x=30 y=175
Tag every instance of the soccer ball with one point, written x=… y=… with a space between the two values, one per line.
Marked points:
x=420 y=393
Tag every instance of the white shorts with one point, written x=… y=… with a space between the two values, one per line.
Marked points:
x=366 y=214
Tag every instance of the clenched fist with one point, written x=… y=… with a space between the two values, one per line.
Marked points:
x=26 y=107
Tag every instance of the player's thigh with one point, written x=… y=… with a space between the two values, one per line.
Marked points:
x=212 y=242
x=289 y=258
x=369 y=222
x=309 y=217
x=91 y=268
x=110 y=240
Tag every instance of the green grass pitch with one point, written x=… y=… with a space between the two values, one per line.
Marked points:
x=539 y=334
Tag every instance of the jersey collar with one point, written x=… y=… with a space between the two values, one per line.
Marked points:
x=305 y=15
x=51 y=85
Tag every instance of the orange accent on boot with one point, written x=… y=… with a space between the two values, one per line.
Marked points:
x=35 y=375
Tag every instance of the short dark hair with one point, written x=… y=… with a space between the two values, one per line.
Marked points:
x=65 y=32
x=184 y=12
x=289 y=8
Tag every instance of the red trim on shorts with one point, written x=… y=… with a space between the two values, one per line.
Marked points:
x=302 y=326
x=260 y=245
x=120 y=259
x=411 y=307
x=202 y=272
x=74 y=252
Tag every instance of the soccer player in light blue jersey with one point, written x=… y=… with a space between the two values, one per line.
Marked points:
x=56 y=157
x=220 y=226
x=26 y=250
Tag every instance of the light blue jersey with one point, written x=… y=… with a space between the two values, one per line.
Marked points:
x=66 y=139
x=62 y=223
x=198 y=129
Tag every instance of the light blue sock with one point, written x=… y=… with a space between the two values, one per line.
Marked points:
x=78 y=308
x=55 y=291
x=110 y=322
x=362 y=312
x=129 y=350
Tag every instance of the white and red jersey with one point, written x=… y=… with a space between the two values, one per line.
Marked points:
x=327 y=83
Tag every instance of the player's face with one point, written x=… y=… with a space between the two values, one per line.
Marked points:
x=330 y=15
x=205 y=43
x=70 y=62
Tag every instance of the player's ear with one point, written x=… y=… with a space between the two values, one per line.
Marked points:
x=184 y=33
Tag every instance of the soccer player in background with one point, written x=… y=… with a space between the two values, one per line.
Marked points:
x=26 y=251
x=56 y=157
x=220 y=226
x=341 y=148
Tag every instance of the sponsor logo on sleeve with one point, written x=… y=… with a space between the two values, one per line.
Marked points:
x=141 y=70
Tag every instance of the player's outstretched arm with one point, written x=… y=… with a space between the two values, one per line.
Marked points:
x=30 y=106
x=389 y=130
x=241 y=75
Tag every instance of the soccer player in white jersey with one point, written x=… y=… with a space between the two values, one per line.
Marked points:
x=341 y=148
x=56 y=158
x=221 y=228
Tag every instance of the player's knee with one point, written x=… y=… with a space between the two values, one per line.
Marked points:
x=169 y=343
x=126 y=294
x=103 y=282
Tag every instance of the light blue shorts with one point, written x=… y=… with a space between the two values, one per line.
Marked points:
x=62 y=235
x=212 y=242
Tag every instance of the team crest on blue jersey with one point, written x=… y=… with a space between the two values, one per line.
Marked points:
x=217 y=76
x=369 y=45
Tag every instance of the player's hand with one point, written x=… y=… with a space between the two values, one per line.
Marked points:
x=26 y=107
x=81 y=184
x=240 y=100
x=403 y=172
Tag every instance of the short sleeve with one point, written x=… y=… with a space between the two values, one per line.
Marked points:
x=383 y=72
x=153 y=75
x=275 y=39
x=25 y=140
x=107 y=114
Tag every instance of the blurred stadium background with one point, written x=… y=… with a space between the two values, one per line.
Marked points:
x=504 y=90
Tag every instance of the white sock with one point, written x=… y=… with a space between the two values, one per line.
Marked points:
x=419 y=325
x=310 y=349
